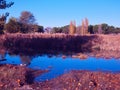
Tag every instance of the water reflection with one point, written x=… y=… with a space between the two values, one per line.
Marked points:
x=25 y=60
x=2 y=55
x=59 y=65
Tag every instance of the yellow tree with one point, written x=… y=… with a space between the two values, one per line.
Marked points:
x=72 y=28
x=83 y=28
x=86 y=25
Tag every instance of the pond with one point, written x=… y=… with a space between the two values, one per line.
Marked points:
x=57 y=65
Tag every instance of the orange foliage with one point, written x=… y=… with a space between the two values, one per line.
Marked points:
x=72 y=27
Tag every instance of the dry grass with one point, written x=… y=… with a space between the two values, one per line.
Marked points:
x=83 y=80
x=49 y=42
x=12 y=77
x=110 y=42
x=40 y=42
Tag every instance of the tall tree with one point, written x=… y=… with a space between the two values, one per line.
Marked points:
x=3 y=17
x=72 y=27
x=86 y=25
x=27 y=18
x=83 y=28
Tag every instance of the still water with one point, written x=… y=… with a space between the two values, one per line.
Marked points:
x=58 y=65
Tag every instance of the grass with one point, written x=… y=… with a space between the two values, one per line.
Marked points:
x=39 y=42
x=49 y=42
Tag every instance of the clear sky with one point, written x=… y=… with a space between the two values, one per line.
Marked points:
x=61 y=12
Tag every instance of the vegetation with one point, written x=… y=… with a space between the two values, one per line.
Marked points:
x=3 y=17
x=40 y=43
x=47 y=43
x=13 y=77
x=72 y=28
x=13 y=26
x=24 y=24
x=90 y=29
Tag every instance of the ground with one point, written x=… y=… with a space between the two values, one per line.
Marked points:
x=19 y=78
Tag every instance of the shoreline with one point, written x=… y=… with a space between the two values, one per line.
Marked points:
x=75 y=79
x=106 y=46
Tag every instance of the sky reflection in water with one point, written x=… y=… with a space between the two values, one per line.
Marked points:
x=58 y=65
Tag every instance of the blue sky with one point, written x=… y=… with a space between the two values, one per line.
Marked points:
x=61 y=12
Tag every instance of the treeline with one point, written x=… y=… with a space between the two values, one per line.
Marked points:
x=24 y=24
x=90 y=29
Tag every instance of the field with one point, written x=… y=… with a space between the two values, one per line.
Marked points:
x=61 y=42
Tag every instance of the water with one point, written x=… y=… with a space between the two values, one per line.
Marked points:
x=59 y=66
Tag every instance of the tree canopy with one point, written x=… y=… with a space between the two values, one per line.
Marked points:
x=4 y=4
x=27 y=17
x=24 y=24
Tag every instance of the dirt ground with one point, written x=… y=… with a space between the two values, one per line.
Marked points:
x=14 y=77
x=82 y=80
x=21 y=78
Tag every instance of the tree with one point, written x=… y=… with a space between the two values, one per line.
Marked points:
x=65 y=29
x=95 y=29
x=13 y=26
x=38 y=28
x=105 y=28
x=90 y=29
x=86 y=25
x=27 y=20
x=56 y=30
x=83 y=28
x=100 y=29
x=72 y=28
x=4 y=5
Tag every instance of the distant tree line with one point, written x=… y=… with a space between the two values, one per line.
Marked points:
x=86 y=29
x=103 y=29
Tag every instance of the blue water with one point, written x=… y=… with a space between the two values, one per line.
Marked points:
x=59 y=66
